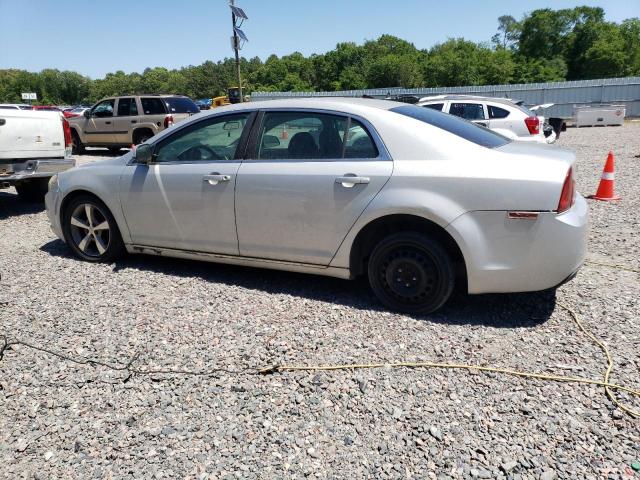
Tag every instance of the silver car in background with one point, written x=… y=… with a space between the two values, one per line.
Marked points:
x=501 y=115
x=416 y=200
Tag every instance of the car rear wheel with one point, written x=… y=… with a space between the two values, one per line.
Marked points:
x=77 y=147
x=33 y=190
x=91 y=231
x=141 y=137
x=411 y=272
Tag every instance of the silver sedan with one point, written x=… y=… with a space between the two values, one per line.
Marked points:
x=417 y=200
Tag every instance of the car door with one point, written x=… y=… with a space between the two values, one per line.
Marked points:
x=98 y=128
x=473 y=111
x=125 y=120
x=184 y=199
x=500 y=118
x=308 y=177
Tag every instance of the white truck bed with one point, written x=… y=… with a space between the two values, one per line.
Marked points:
x=32 y=146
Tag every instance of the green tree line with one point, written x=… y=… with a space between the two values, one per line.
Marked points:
x=545 y=45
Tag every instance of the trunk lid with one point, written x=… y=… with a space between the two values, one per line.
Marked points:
x=542 y=151
x=26 y=134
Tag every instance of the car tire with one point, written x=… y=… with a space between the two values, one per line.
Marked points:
x=77 y=147
x=91 y=231
x=33 y=190
x=411 y=272
x=141 y=137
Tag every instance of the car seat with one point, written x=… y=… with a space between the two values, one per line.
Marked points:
x=302 y=145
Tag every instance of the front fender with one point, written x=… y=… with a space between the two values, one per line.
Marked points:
x=96 y=181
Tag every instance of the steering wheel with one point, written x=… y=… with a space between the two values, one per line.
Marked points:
x=199 y=152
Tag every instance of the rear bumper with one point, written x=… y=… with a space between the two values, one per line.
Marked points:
x=10 y=173
x=518 y=255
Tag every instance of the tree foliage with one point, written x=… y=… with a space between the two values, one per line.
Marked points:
x=544 y=45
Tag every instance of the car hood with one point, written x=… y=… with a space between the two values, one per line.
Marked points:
x=123 y=160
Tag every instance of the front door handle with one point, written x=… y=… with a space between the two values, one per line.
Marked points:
x=134 y=121
x=216 y=178
x=349 y=181
x=107 y=123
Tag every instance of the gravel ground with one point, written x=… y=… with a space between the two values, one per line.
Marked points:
x=59 y=419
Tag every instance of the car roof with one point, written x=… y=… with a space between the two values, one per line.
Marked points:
x=440 y=98
x=346 y=104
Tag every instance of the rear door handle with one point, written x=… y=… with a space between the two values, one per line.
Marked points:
x=134 y=121
x=349 y=181
x=107 y=123
x=216 y=178
x=2 y=121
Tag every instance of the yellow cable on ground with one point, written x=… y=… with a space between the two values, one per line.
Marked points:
x=619 y=267
x=506 y=371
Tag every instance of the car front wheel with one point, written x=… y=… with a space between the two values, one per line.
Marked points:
x=91 y=231
x=411 y=272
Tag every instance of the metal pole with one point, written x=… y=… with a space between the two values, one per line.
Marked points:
x=236 y=43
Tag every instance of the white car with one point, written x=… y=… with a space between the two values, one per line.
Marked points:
x=416 y=200
x=498 y=114
x=15 y=106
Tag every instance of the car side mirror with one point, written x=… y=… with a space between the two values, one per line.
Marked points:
x=144 y=154
x=232 y=125
x=270 y=141
x=87 y=113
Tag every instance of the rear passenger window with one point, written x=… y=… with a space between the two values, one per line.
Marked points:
x=127 y=107
x=468 y=111
x=435 y=106
x=153 y=106
x=359 y=142
x=497 y=112
x=301 y=135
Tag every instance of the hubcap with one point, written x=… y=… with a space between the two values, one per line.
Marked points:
x=90 y=230
x=409 y=275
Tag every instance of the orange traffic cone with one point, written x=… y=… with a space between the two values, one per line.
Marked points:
x=133 y=146
x=285 y=134
x=605 y=189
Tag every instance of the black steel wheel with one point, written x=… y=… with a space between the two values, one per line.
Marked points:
x=91 y=231
x=411 y=272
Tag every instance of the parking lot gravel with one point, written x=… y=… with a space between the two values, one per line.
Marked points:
x=61 y=419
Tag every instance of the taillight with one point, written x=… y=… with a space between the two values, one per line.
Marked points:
x=168 y=121
x=567 y=196
x=67 y=133
x=533 y=125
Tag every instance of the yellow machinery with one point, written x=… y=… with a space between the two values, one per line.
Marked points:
x=232 y=96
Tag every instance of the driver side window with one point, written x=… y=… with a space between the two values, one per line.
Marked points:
x=213 y=139
x=103 y=109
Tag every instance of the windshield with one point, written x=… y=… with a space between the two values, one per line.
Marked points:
x=181 y=105
x=462 y=128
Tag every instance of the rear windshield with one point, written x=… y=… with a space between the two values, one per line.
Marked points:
x=469 y=131
x=524 y=109
x=181 y=105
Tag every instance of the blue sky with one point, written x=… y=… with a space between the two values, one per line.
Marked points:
x=99 y=36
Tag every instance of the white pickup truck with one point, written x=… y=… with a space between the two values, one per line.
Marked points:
x=34 y=145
